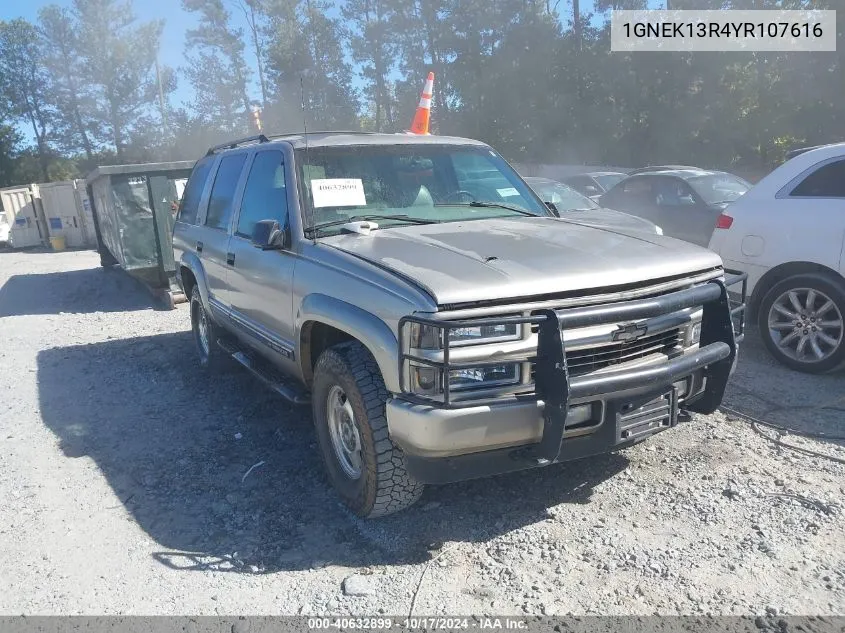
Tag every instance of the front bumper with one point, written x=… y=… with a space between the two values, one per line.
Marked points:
x=571 y=417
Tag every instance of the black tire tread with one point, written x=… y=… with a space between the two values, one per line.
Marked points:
x=393 y=488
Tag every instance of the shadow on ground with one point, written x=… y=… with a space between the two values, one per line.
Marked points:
x=164 y=435
x=763 y=388
x=76 y=291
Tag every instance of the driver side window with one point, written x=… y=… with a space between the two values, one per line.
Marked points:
x=265 y=195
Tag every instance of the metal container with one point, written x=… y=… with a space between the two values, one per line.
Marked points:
x=133 y=211
x=64 y=210
x=25 y=216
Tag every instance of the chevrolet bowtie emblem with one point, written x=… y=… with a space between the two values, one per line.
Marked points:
x=629 y=332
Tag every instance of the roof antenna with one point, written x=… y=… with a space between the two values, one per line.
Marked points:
x=305 y=134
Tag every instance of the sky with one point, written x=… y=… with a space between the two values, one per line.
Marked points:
x=177 y=21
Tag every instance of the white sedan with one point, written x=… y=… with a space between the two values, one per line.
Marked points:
x=788 y=234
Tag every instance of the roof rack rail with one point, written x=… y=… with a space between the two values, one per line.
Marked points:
x=260 y=138
x=310 y=133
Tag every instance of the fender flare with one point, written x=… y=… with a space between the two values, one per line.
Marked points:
x=371 y=331
x=192 y=262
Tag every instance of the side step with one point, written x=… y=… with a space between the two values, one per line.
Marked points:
x=289 y=391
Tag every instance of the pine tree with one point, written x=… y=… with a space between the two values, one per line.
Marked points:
x=23 y=85
x=216 y=68
x=76 y=127
x=118 y=63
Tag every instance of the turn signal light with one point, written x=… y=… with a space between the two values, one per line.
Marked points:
x=724 y=221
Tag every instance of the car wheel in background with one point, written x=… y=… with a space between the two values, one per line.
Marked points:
x=348 y=401
x=211 y=355
x=802 y=322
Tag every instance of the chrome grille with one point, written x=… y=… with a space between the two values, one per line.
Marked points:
x=584 y=361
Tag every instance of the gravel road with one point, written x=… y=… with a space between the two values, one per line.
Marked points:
x=132 y=484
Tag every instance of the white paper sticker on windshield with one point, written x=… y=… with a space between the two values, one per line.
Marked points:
x=338 y=192
x=510 y=191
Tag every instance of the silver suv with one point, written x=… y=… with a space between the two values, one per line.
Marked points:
x=442 y=321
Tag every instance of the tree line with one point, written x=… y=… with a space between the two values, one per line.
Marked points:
x=83 y=86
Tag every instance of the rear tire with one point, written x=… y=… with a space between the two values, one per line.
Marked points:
x=211 y=356
x=809 y=308
x=365 y=467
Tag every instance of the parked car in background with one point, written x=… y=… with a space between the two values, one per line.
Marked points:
x=572 y=205
x=593 y=184
x=685 y=203
x=650 y=168
x=442 y=322
x=788 y=234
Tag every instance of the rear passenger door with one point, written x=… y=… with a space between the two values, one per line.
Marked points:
x=213 y=236
x=260 y=281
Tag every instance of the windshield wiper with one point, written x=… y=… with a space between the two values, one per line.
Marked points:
x=488 y=205
x=370 y=216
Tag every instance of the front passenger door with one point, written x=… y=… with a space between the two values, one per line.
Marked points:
x=682 y=213
x=260 y=281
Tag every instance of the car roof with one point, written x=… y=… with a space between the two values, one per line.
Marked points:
x=340 y=139
x=602 y=173
x=686 y=174
x=801 y=150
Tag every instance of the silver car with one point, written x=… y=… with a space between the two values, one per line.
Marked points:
x=442 y=322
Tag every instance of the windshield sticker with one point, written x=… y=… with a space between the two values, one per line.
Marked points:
x=510 y=191
x=338 y=192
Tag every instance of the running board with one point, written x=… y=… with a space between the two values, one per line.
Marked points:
x=285 y=389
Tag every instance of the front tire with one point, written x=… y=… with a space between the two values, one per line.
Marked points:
x=365 y=467
x=802 y=322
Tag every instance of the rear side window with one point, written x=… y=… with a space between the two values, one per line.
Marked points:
x=190 y=203
x=827 y=181
x=265 y=196
x=223 y=192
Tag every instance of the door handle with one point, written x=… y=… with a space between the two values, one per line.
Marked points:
x=199 y=247
x=230 y=259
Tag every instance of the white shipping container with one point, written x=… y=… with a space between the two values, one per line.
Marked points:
x=25 y=216
x=65 y=214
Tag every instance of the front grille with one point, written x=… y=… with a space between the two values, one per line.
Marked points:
x=584 y=361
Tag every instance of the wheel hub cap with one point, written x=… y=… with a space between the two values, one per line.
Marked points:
x=346 y=441
x=806 y=325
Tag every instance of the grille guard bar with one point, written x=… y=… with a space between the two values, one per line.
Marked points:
x=722 y=328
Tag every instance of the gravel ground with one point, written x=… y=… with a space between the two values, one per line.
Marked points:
x=125 y=488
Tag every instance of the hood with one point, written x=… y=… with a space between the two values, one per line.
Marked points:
x=504 y=258
x=607 y=218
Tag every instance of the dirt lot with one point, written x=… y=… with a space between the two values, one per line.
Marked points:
x=125 y=487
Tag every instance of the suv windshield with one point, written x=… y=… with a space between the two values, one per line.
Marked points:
x=719 y=188
x=413 y=183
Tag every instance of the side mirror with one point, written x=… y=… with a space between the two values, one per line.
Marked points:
x=553 y=208
x=268 y=236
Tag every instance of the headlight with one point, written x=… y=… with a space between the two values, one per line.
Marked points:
x=483 y=334
x=431 y=337
x=658 y=230
x=428 y=381
x=694 y=334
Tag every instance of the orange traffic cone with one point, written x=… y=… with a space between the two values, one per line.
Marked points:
x=423 y=115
